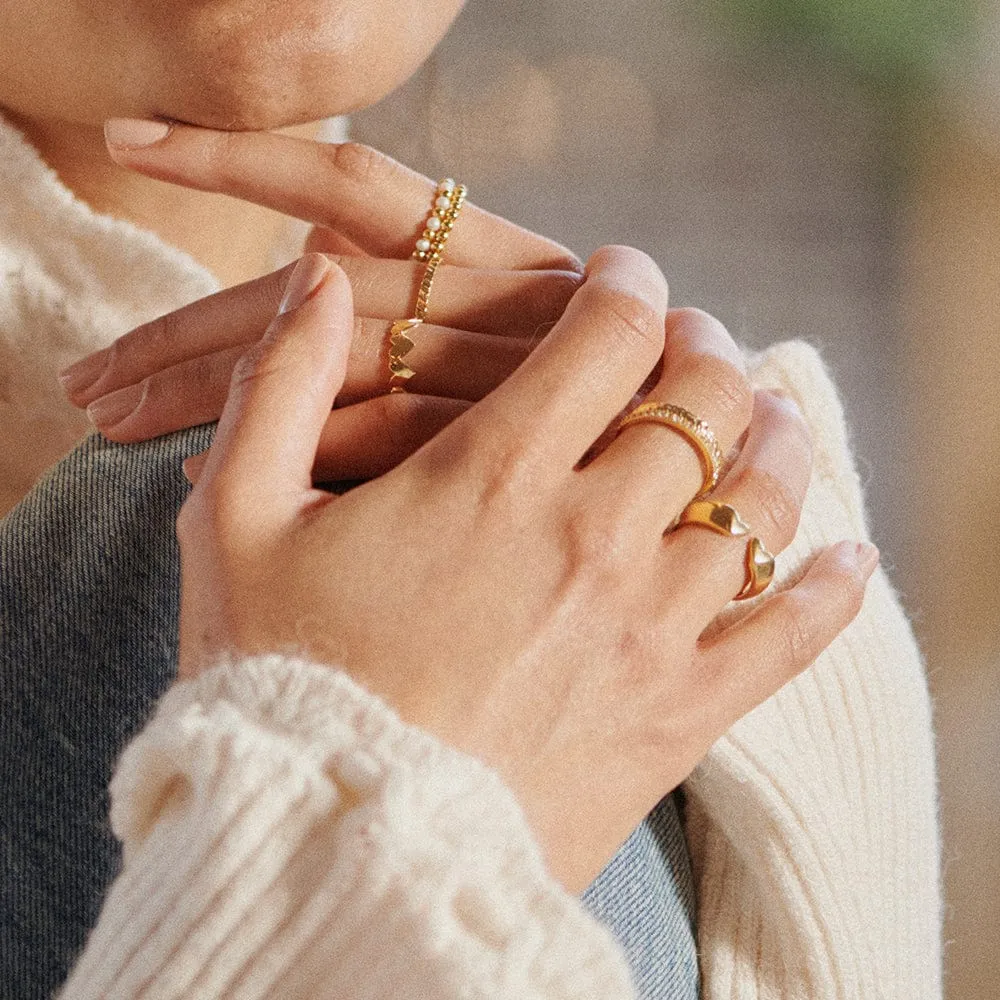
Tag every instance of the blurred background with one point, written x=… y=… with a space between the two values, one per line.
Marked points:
x=827 y=169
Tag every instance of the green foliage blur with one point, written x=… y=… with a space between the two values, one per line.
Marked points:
x=886 y=40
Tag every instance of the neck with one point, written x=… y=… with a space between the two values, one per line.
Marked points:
x=233 y=239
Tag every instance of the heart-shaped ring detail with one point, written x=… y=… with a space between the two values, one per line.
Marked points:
x=401 y=345
x=399 y=368
x=717 y=517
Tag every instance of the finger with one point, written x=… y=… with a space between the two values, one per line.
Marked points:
x=766 y=486
x=333 y=244
x=584 y=372
x=370 y=438
x=282 y=391
x=451 y=363
x=193 y=467
x=655 y=470
x=234 y=317
x=508 y=303
x=749 y=661
x=376 y=203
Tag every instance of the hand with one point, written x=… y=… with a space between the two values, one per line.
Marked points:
x=526 y=610
x=501 y=290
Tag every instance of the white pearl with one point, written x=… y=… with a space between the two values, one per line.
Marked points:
x=447 y=185
x=442 y=203
x=423 y=245
x=433 y=223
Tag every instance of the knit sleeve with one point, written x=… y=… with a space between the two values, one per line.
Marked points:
x=813 y=822
x=286 y=835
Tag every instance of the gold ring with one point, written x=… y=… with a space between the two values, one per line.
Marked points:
x=759 y=565
x=695 y=431
x=717 y=517
x=399 y=346
x=724 y=520
x=449 y=198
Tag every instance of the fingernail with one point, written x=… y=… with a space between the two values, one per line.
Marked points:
x=113 y=408
x=306 y=278
x=134 y=133
x=867 y=556
x=78 y=377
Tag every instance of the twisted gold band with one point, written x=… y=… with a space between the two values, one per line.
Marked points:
x=724 y=520
x=448 y=201
x=696 y=431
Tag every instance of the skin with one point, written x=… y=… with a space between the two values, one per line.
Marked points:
x=231 y=64
x=590 y=615
x=581 y=673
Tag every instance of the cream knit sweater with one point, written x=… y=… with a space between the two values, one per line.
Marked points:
x=287 y=836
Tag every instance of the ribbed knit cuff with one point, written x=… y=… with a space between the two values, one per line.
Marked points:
x=813 y=823
x=287 y=835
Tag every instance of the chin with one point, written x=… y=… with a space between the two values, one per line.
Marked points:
x=267 y=75
x=316 y=87
x=242 y=114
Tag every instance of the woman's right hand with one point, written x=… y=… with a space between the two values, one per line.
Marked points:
x=525 y=609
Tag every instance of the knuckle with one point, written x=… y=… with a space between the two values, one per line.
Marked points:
x=357 y=162
x=632 y=321
x=367 y=367
x=725 y=384
x=800 y=641
x=223 y=161
x=777 y=508
x=790 y=419
x=256 y=363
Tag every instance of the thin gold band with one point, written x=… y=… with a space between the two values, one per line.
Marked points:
x=695 y=431
x=758 y=563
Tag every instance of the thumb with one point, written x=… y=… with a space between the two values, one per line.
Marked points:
x=283 y=389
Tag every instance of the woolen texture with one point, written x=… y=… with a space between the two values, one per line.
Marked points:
x=286 y=835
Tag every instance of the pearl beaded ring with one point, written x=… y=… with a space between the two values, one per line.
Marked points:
x=448 y=200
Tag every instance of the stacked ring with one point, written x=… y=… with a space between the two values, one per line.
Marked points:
x=450 y=197
x=448 y=201
x=724 y=520
x=695 y=431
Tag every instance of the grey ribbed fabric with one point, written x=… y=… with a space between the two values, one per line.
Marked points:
x=88 y=624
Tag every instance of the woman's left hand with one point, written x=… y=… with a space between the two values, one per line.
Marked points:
x=501 y=290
